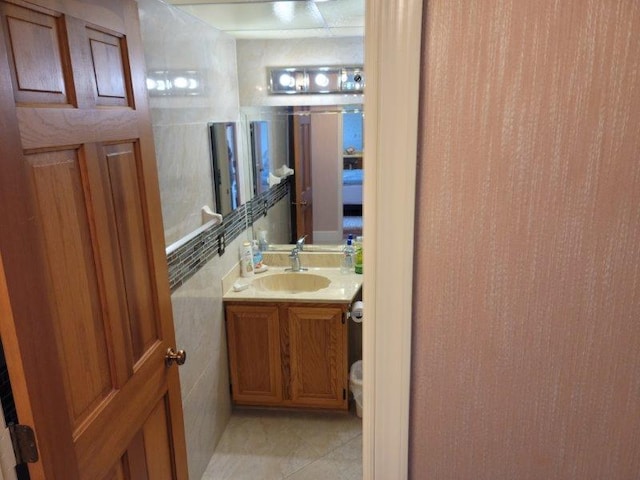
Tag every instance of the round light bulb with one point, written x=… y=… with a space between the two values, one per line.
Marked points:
x=321 y=80
x=180 y=82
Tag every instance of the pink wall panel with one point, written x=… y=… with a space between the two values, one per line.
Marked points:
x=526 y=355
x=326 y=147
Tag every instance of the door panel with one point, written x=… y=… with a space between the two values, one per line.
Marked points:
x=72 y=279
x=110 y=79
x=83 y=246
x=121 y=178
x=303 y=203
x=157 y=443
x=34 y=38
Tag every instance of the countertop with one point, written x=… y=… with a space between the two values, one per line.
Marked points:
x=342 y=289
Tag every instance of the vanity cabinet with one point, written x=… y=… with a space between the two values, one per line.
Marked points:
x=288 y=354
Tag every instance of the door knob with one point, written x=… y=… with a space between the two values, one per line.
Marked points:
x=172 y=356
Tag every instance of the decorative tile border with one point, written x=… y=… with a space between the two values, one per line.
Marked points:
x=185 y=259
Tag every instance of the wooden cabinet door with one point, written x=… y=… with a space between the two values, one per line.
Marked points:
x=253 y=338
x=318 y=356
x=85 y=312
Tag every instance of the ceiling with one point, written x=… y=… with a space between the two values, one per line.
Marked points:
x=265 y=19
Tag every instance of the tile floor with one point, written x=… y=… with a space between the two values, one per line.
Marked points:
x=274 y=445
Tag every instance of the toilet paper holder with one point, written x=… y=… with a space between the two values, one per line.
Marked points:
x=357 y=311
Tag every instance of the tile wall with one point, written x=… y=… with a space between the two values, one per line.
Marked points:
x=174 y=41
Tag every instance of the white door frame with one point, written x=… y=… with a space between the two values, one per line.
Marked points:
x=392 y=65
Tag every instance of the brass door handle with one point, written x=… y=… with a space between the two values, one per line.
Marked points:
x=302 y=203
x=172 y=356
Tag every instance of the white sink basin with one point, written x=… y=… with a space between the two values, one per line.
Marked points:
x=292 y=282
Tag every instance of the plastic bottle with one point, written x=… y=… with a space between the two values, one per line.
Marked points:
x=263 y=244
x=347 y=258
x=257 y=256
x=358 y=255
x=246 y=260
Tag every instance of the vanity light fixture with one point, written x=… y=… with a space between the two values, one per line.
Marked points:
x=315 y=80
x=174 y=83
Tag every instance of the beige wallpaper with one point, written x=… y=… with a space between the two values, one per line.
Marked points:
x=526 y=355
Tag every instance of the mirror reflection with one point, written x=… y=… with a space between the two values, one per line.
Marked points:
x=225 y=166
x=260 y=163
x=329 y=186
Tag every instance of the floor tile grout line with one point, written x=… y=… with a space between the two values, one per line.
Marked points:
x=323 y=456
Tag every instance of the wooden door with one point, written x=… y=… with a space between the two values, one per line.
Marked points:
x=84 y=300
x=253 y=338
x=303 y=191
x=318 y=351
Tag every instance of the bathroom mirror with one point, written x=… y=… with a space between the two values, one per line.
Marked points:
x=337 y=159
x=260 y=163
x=266 y=132
x=225 y=166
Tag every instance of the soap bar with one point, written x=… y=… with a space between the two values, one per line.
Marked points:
x=238 y=287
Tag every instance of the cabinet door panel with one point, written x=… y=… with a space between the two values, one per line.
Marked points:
x=253 y=335
x=318 y=345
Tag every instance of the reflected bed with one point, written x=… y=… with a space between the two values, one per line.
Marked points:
x=352 y=186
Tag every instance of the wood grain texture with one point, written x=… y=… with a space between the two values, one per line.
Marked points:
x=318 y=351
x=253 y=338
x=80 y=316
x=288 y=355
x=526 y=348
x=86 y=302
x=34 y=41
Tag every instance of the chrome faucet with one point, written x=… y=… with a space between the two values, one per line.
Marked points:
x=295 y=261
x=300 y=243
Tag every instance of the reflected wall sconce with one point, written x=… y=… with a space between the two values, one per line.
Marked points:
x=316 y=80
x=161 y=83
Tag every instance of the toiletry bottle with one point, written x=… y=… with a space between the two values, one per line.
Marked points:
x=263 y=244
x=257 y=256
x=347 y=258
x=246 y=260
x=358 y=255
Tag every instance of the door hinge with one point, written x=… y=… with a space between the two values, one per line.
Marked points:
x=24 y=443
